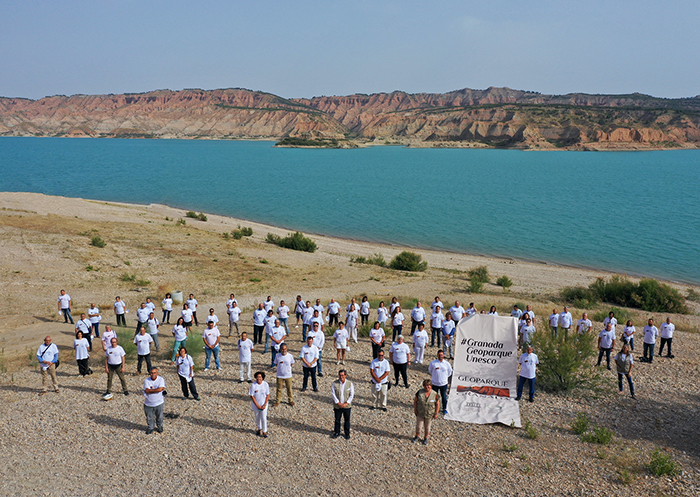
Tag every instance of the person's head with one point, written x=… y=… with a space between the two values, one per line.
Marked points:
x=353 y=300
x=259 y=377
x=492 y=309
x=151 y=315
x=456 y=303
x=244 y=336
x=232 y=296
x=418 y=304
x=210 y=325
x=298 y=298
x=63 y=292
x=341 y=325
x=427 y=385
x=515 y=307
x=315 y=326
x=82 y=315
x=92 y=306
x=528 y=307
x=376 y=325
x=47 y=340
x=554 y=311
x=471 y=304
x=79 y=335
x=441 y=355
x=118 y=298
x=308 y=303
x=191 y=296
x=629 y=322
x=142 y=330
x=309 y=341
x=180 y=321
x=277 y=323
x=148 y=300
x=352 y=307
x=528 y=321
x=380 y=355
x=281 y=302
x=332 y=301
x=399 y=339
x=143 y=305
x=167 y=296
x=184 y=307
x=625 y=348
x=364 y=299
x=261 y=306
x=182 y=352
x=421 y=327
x=381 y=304
x=529 y=349
x=668 y=320
x=283 y=349
x=211 y=311
x=234 y=304
x=318 y=301
x=566 y=308
x=154 y=372
x=394 y=300
x=437 y=298
x=108 y=328
x=585 y=315
x=342 y=374
x=608 y=327
x=113 y=342
x=650 y=322
x=448 y=315
x=269 y=297
x=611 y=315
x=270 y=313
x=316 y=313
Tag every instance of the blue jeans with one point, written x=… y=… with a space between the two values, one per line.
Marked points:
x=442 y=390
x=438 y=332
x=209 y=351
x=67 y=315
x=267 y=343
x=397 y=331
x=649 y=351
x=274 y=354
x=96 y=329
x=318 y=364
x=521 y=383
x=629 y=380
x=629 y=340
x=554 y=331
x=283 y=321
x=304 y=329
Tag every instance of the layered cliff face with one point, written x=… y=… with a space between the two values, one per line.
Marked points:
x=492 y=117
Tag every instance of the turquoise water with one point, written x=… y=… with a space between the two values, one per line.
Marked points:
x=629 y=212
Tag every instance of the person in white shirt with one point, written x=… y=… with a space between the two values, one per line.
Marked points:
x=277 y=336
x=493 y=311
x=306 y=320
x=457 y=312
x=283 y=315
x=417 y=317
x=397 y=319
x=299 y=310
x=167 y=306
x=142 y=314
x=606 y=342
x=185 y=371
x=318 y=306
x=440 y=372
x=353 y=302
x=624 y=363
x=95 y=318
x=107 y=337
x=260 y=397
x=400 y=358
x=471 y=310
x=554 y=322
x=309 y=358
x=379 y=369
x=230 y=301
x=153 y=401
x=527 y=331
x=318 y=318
x=382 y=314
x=259 y=316
x=584 y=324
x=364 y=313
x=333 y=313
x=351 y=320
x=143 y=343
x=376 y=337
x=394 y=304
x=436 y=320
x=192 y=305
x=85 y=326
x=269 y=304
x=81 y=346
x=64 y=307
x=114 y=363
x=340 y=337
x=245 y=357
x=47 y=356
x=153 y=326
x=180 y=335
x=516 y=312
x=319 y=341
x=284 y=362
x=528 y=310
x=667 y=330
x=234 y=315
x=565 y=321
x=119 y=311
x=611 y=319
x=651 y=333
x=628 y=334
x=436 y=303
x=342 y=393
x=213 y=317
x=448 y=334
x=269 y=324
x=211 y=337
x=150 y=304
x=420 y=340
x=528 y=369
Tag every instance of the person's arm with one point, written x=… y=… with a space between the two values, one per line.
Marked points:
x=374 y=375
x=408 y=356
x=336 y=400
x=437 y=406
x=313 y=363
x=613 y=344
x=599 y=338
x=191 y=363
x=391 y=357
x=384 y=376
x=267 y=398
x=252 y=397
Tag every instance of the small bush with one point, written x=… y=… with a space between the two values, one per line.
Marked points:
x=180 y=222
x=142 y=282
x=693 y=296
x=505 y=282
x=509 y=447
x=297 y=241
x=480 y=273
x=530 y=431
x=127 y=277
x=226 y=235
x=581 y=423
x=408 y=261
x=97 y=241
x=264 y=261
x=192 y=214
x=374 y=259
x=475 y=286
x=564 y=361
x=255 y=280
x=599 y=435
x=648 y=294
x=661 y=464
x=201 y=216
x=239 y=232
x=626 y=476
x=579 y=296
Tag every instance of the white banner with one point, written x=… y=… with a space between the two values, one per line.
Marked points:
x=484 y=382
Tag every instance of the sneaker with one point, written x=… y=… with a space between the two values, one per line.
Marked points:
x=264 y=435
x=337 y=362
x=531 y=399
x=159 y=430
x=444 y=412
x=335 y=435
x=206 y=369
x=315 y=389
x=347 y=437
x=303 y=389
x=407 y=385
x=126 y=393
x=634 y=397
x=250 y=381
x=425 y=442
x=148 y=432
x=415 y=440
x=384 y=409
x=320 y=375
x=240 y=381
x=218 y=369
x=197 y=399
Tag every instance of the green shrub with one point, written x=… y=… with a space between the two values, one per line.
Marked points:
x=661 y=464
x=581 y=423
x=142 y=282
x=201 y=216
x=480 y=273
x=180 y=222
x=374 y=259
x=191 y=214
x=530 y=431
x=97 y=241
x=239 y=232
x=475 y=286
x=693 y=296
x=127 y=277
x=564 y=360
x=225 y=235
x=408 y=261
x=505 y=282
x=648 y=294
x=579 y=296
x=509 y=447
x=599 y=435
x=296 y=241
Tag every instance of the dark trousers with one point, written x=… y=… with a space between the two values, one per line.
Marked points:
x=67 y=315
x=345 y=414
x=83 y=368
x=438 y=332
x=629 y=380
x=257 y=334
x=138 y=327
x=166 y=315
x=649 y=351
x=397 y=331
x=194 y=317
x=607 y=356
x=309 y=372
x=121 y=320
x=188 y=385
x=442 y=390
x=142 y=358
x=333 y=318
x=414 y=325
x=96 y=329
x=665 y=341
x=401 y=369
x=87 y=337
x=375 y=350
x=521 y=384
x=364 y=318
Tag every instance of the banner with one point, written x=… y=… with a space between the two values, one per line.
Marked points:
x=484 y=382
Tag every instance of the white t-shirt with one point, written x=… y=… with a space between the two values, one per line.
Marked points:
x=283 y=312
x=259 y=316
x=229 y=303
x=379 y=368
x=471 y=311
x=143 y=343
x=234 y=314
x=584 y=325
x=341 y=338
x=211 y=335
x=107 y=338
x=284 y=364
x=319 y=338
x=299 y=306
x=186 y=315
x=382 y=314
x=94 y=314
x=85 y=326
x=319 y=308
x=308 y=314
x=269 y=324
x=192 y=304
x=153 y=399
x=153 y=325
x=351 y=319
x=612 y=321
x=493 y=313
x=448 y=327
x=142 y=314
x=393 y=306
x=527 y=332
x=440 y=372
x=650 y=334
x=260 y=392
x=531 y=314
x=46 y=354
x=377 y=335
x=213 y=318
x=628 y=331
x=168 y=304
x=399 y=352
x=333 y=308
x=64 y=300
x=151 y=307
x=398 y=318
x=554 y=320
x=364 y=308
x=418 y=314
x=309 y=353
x=565 y=320
x=184 y=365
x=517 y=313
x=119 y=307
x=115 y=354
x=457 y=312
x=81 y=349
x=278 y=333
x=667 y=330
x=606 y=339
x=180 y=333
x=528 y=365
x=420 y=338
x=436 y=320
x=245 y=349
x=434 y=304
x=318 y=320
x=268 y=305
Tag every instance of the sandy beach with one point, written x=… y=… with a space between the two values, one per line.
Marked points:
x=210 y=448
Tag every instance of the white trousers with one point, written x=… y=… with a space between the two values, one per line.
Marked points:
x=261 y=419
x=419 y=354
x=245 y=368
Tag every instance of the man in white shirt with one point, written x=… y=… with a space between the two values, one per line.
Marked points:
x=107 y=337
x=440 y=371
x=114 y=363
x=245 y=357
x=436 y=303
x=526 y=332
x=530 y=312
x=417 y=317
x=319 y=307
x=436 y=319
x=142 y=314
x=516 y=312
x=153 y=328
x=309 y=358
x=299 y=310
x=230 y=301
x=269 y=324
x=528 y=369
x=259 y=315
x=457 y=312
x=213 y=317
x=400 y=358
x=47 y=356
x=283 y=315
x=307 y=314
x=153 y=400
x=319 y=341
x=471 y=310
x=277 y=336
x=584 y=324
x=342 y=393
x=143 y=343
x=211 y=337
x=269 y=304
x=234 y=315
x=379 y=369
x=317 y=318
x=333 y=313
x=64 y=307
x=565 y=321
x=192 y=306
x=95 y=318
x=284 y=362
x=651 y=333
x=611 y=319
x=667 y=330
x=554 y=322
x=606 y=342
x=85 y=326
x=119 y=311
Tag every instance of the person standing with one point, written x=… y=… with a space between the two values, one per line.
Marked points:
x=64 y=307
x=554 y=322
x=167 y=306
x=611 y=319
x=448 y=334
x=379 y=369
x=151 y=308
x=234 y=315
x=340 y=338
x=269 y=324
x=143 y=343
x=81 y=346
x=516 y=312
x=259 y=400
x=426 y=406
x=436 y=303
x=308 y=314
x=667 y=330
x=319 y=341
x=436 y=319
x=417 y=317
x=528 y=368
x=85 y=326
x=342 y=393
x=299 y=310
x=527 y=331
x=420 y=340
x=142 y=314
x=565 y=321
x=153 y=328
x=277 y=336
x=364 y=313
x=185 y=371
x=95 y=318
x=269 y=304
x=192 y=305
x=382 y=314
x=584 y=324
x=212 y=317
x=606 y=342
x=284 y=362
x=376 y=336
x=457 y=312
x=471 y=310
x=283 y=315
x=400 y=358
x=624 y=363
x=351 y=322
x=107 y=337
x=397 y=319
x=47 y=356
x=394 y=304
x=245 y=357
x=309 y=358
x=114 y=363
x=120 y=311
x=628 y=334
x=180 y=334
x=211 y=337
x=440 y=371
x=153 y=401
x=333 y=313
x=259 y=315
x=651 y=333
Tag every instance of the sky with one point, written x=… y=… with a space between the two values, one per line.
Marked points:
x=305 y=48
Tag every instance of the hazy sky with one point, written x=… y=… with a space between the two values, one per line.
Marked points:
x=298 y=48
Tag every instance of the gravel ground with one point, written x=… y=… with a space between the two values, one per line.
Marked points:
x=73 y=443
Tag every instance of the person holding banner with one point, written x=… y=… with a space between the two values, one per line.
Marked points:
x=440 y=371
x=528 y=366
x=379 y=369
x=426 y=405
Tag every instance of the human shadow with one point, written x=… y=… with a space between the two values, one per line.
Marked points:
x=115 y=422
x=17 y=388
x=367 y=430
x=208 y=423
x=82 y=389
x=48 y=320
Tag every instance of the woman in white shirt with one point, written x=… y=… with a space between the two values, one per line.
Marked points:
x=364 y=311
x=82 y=355
x=185 y=371
x=186 y=315
x=351 y=320
x=260 y=396
x=180 y=334
x=167 y=308
x=382 y=314
x=492 y=311
x=397 y=319
x=628 y=334
x=394 y=304
x=376 y=336
x=341 y=342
